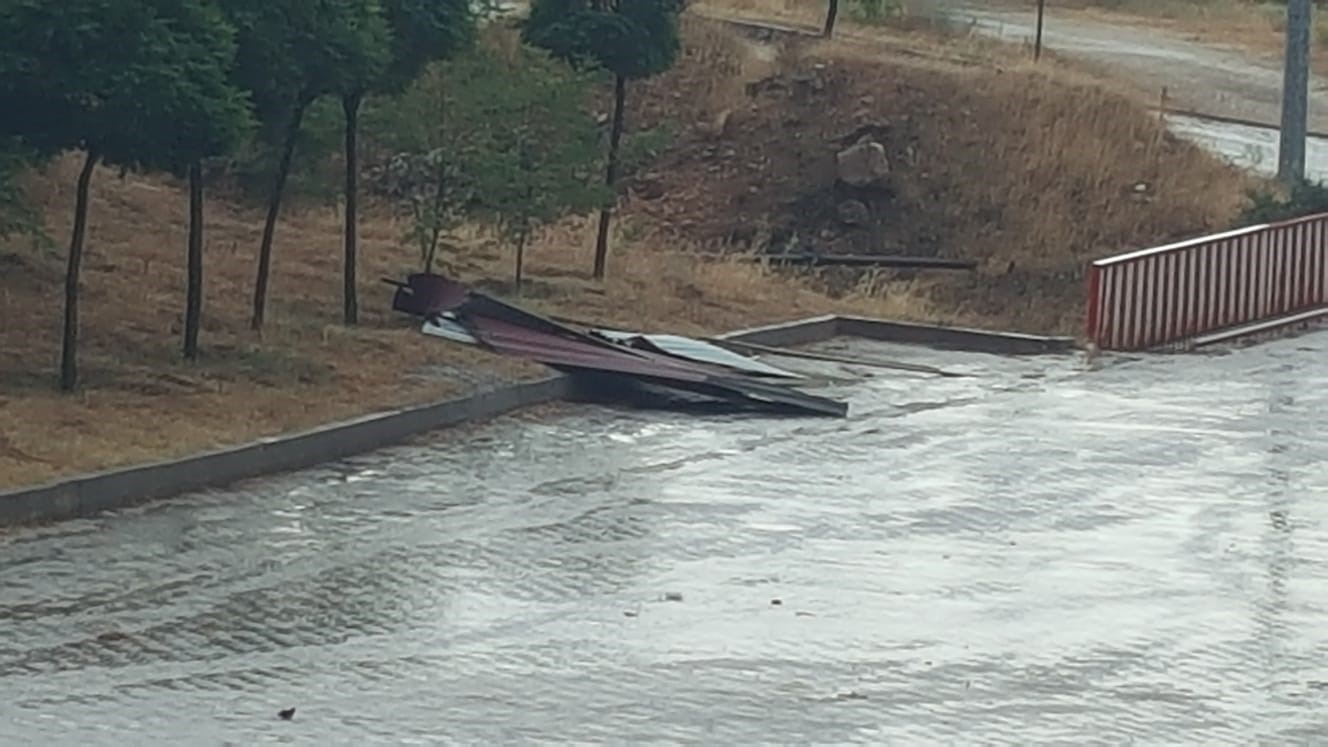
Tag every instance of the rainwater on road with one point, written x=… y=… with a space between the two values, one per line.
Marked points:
x=1038 y=553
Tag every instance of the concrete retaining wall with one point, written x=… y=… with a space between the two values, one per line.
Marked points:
x=955 y=338
x=803 y=332
x=89 y=494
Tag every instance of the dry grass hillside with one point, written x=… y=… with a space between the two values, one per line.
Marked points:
x=1033 y=173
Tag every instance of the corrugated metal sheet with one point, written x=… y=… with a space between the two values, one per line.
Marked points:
x=703 y=352
x=457 y=313
x=447 y=327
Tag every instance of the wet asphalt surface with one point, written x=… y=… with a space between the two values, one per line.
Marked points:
x=1250 y=148
x=1039 y=553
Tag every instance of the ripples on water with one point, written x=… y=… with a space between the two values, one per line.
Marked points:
x=1037 y=553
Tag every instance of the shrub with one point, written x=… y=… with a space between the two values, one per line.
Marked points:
x=1268 y=205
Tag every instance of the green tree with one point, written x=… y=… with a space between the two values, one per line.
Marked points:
x=291 y=53
x=631 y=39
x=432 y=127
x=136 y=84
x=540 y=151
x=420 y=31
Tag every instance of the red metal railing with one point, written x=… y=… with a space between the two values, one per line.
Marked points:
x=1172 y=293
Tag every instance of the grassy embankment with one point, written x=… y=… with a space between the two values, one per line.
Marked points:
x=1032 y=172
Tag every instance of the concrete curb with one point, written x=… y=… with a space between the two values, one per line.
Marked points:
x=86 y=495
x=788 y=334
x=89 y=494
x=954 y=338
x=1267 y=329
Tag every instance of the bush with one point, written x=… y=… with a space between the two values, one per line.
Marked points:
x=16 y=215
x=1269 y=205
x=641 y=149
x=316 y=174
x=876 y=11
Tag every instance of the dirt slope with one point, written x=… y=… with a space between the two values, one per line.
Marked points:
x=1033 y=172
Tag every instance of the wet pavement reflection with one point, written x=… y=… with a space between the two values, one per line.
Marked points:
x=1040 y=552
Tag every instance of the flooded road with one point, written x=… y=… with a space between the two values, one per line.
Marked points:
x=1036 y=553
x=1250 y=148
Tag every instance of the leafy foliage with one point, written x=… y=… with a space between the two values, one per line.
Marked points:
x=419 y=31
x=876 y=11
x=629 y=38
x=422 y=31
x=293 y=51
x=16 y=215
x=136 y=83
x=155 y=103
x=313 y=176
x=539 y=153
x=644 y=147
x=517 y=161
x=1269 y=206
x=424 y=177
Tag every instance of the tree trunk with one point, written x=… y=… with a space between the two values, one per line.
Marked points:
x=350 y=105
x=273 y=209
x=830 y=17
x=193 y=314
x=611 y=174
x=69 y=348
x=520 y=259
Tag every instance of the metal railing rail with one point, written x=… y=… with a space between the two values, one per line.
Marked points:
x=1168 y=294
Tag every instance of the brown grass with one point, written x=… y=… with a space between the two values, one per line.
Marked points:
x=790 y=11
x=1015 y=165
x=139 y=402
x=1034 y=170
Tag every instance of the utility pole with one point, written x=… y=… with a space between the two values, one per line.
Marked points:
x=1295 y=94
x=1037 y=44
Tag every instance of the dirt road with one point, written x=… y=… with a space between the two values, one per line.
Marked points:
x=1202 y=77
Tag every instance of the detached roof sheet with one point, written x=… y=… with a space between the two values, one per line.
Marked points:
x=447 y=327
x=455 y=312
x=703 y=352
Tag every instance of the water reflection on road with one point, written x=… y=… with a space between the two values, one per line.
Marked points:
x=1038 y=552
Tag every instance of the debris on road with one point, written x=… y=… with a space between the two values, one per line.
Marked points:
x=869 y=362
x=854 y=217
x=606 y=361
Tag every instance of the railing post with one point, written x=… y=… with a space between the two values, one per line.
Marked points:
x=1094 y=304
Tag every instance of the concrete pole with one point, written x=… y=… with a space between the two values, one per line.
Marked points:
x=1295 y=94
x=1037 y=45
